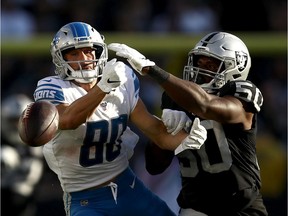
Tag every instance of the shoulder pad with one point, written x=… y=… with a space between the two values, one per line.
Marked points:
x=245 y=91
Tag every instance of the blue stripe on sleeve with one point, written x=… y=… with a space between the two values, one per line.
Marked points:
x=50 y=92
x=136 y=85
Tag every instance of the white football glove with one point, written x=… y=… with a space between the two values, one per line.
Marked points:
x=195 y=139
x=113 y=75
x=175 y=120
x=135 y=59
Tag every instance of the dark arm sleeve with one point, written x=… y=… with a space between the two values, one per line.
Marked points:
x=157 y=159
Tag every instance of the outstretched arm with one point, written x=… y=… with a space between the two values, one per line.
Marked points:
x=194 y=99
x=156 y=131
x=188 y=95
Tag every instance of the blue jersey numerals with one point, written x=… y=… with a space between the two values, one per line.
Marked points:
x=101 y=142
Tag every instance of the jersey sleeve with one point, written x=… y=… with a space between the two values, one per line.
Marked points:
x=132 y=87
x=245 y=91
x=49 y=89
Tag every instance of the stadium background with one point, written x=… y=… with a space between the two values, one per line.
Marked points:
x=25 y=58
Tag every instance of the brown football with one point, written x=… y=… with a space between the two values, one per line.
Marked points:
x=38 y=123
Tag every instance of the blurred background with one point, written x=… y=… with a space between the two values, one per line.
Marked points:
x=163 y=30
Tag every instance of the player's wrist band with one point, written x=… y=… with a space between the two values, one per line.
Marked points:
x=158 y=74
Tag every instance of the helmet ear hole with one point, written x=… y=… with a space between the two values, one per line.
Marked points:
x=236 y=76
x=68 y=72
x=98 y=51
x=102 y=36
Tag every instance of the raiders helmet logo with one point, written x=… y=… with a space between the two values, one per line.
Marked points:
x=241 y=60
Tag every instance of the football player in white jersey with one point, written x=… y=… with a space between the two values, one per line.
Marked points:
x=90 y=153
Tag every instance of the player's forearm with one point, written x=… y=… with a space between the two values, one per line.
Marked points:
x=188 y=95
x=166 y=141
x=155 y=130
x=77 y=113
x=152 y=127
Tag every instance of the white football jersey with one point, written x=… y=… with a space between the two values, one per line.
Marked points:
x=95 y=152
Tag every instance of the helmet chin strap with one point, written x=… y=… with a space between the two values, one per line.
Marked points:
x=84 y=76
x=85 y=81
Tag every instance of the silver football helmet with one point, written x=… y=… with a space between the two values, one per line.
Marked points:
x=11 y=109
x=73 y=36
x=232 y=53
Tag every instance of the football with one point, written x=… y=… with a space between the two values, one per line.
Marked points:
x=38 y=123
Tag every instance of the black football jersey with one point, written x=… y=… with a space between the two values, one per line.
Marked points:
x=223 y=176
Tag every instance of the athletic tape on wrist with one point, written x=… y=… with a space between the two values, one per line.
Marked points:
x=158 y=74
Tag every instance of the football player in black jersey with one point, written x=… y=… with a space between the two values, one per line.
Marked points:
x=222 y=178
